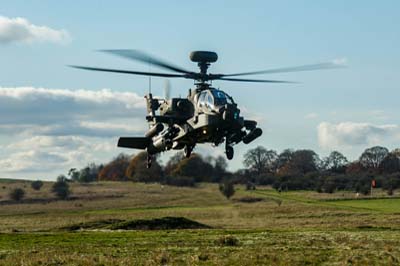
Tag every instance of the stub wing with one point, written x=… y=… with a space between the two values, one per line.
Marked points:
x=134 y=142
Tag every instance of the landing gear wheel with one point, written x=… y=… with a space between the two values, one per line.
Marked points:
x=229 y=152
x=149 y=161
x=188 y=151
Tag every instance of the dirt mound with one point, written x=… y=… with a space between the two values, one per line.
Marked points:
x=165 y=223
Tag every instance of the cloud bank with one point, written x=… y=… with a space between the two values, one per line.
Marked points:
x=349 y=134
x=51 y=130
x=69 y=112
x=20 y=30
x=46 y=154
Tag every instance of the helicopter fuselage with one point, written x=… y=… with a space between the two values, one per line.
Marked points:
x=207 y=115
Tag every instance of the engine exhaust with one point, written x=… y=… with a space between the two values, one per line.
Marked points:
x=255 y=133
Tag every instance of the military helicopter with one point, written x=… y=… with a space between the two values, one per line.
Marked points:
x=206 y=115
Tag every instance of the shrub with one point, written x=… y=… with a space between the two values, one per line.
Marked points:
x=250 y=186
x=203 y=257
x=37 y=185
x=329 y=186
x=227 y=189
x=364 y=189
x=62 y=178
x=61 y=189
x=228 y=240
x=390 y=183
x=17 y=194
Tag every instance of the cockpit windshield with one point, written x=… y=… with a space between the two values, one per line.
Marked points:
x=220 y=97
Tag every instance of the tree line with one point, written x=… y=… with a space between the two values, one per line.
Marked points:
x=287 y=170
x=304 y=169
x=178 y=170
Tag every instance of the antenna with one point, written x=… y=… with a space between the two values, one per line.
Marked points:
x=149 y=76
x=167 y=89
x=149 y=84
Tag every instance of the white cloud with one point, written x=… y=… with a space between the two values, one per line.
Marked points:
x=45 y=132
x=41 y=142
x=251 y=115
x=114 y=128
x=70 y=112
x=17 y=30
x=86 y=128
x=53 y=154
x=32 y=160
x=349 y=134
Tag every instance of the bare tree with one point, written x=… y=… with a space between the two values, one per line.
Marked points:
x=335 y=161
x=396 y=152
x=372 y=157
x=260 y=159
x=390 y=164
x=283 y=158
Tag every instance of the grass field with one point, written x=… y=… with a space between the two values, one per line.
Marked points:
x=288 y=228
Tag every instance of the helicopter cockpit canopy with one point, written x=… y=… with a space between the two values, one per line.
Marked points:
x=214 y=98
x=221 y=98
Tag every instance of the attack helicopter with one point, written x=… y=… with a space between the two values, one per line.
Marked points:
x=206 y=115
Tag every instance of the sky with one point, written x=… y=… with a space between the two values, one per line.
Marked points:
x=53 y=117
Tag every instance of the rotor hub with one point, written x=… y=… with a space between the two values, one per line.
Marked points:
x=203 y=57
x=203 y=60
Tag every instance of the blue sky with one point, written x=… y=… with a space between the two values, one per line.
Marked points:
x=346 y=109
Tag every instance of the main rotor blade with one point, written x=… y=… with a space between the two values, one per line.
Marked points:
x=328 y=65
x=256 y=80
x=130 y=72
x=145 y=58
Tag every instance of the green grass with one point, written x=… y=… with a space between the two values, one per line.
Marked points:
x=382 y=205
x=201 y=247
x=307 y=228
